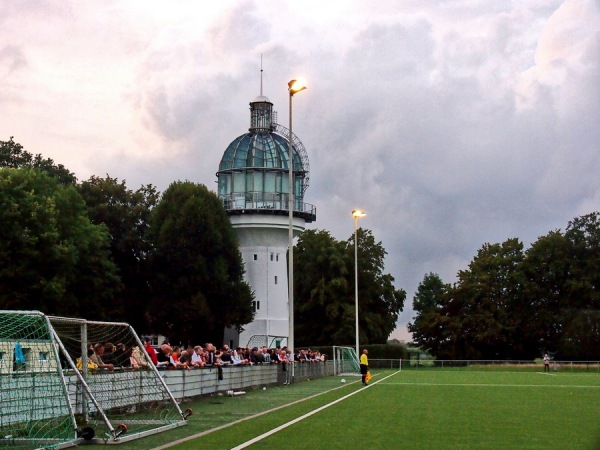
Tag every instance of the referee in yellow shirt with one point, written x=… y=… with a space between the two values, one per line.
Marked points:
x=364 y=366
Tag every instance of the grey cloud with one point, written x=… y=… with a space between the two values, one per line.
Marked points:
x=12 y=59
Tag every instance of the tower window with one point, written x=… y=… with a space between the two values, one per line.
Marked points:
x=256 y=305
x=275 y=279
x=255 y=257
x=277 y=257
x=271 y=256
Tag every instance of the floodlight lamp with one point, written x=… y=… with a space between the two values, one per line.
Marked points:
x=358 y=213
x=296 y=86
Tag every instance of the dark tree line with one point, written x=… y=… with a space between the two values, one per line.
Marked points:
x=516 y=304
x=167 y=263
x=101 y=251
x=324 y=295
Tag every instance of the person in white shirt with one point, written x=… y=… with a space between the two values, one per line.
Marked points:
x=198 y=357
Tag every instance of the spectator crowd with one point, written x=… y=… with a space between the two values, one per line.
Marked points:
x=110 y=356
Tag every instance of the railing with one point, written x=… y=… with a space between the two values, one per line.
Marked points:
x=191 y=383
x=419 y=364
x=264 y=201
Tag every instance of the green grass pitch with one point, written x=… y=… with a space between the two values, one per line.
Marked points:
x=411 y=409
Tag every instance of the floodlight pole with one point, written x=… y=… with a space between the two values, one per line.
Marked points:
x=293 y=87
x=356 y=214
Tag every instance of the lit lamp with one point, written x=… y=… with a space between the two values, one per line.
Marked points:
x=356 y=214
x=294 y=86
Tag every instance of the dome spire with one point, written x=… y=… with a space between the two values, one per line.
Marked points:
x=262 y=116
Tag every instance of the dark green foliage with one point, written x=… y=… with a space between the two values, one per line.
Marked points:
x=511 y=304
x=198 y=286
x=324 y=306
x=427 y=329
x=14 y=156
x=386 y=351
x=125 y=213
x=52 y=258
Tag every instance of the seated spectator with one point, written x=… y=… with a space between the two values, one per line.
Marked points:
x=133 y=364
x=280 y=356
x=163 y=356
x=246 y=353
x=150 y=350
x=226 y=355
x=198 y=357
x=211 y=355
x=90 y=363
x=121 y=356
x=138 y=356
x=266 y=356
x=237 y=357
x=186 y=356
x=256 y=356
x=96 y=357
x=274 y=354
x=301 y=356
x=174 y=359
x=108 y=357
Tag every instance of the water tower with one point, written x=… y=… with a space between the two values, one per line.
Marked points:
x=253 y=182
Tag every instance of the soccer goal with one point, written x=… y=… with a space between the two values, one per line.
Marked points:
x=345 y=361
x=53 y=396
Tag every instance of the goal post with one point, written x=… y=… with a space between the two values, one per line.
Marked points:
x=345 y=361
x=35 y=410
x=53 y=396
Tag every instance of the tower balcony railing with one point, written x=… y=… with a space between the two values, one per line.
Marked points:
x=267 y=203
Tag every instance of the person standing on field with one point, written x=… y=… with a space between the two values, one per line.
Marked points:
x=546 y=363
x=364 y=366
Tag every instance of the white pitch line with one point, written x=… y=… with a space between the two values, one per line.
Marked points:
x=244 y=419
x=494 y=385
x=298 y=419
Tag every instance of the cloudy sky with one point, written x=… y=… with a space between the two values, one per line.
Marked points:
x=452 y=123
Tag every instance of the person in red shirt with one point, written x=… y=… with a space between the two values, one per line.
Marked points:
x=150 y=350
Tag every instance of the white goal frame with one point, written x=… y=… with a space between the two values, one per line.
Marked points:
x=45 y=374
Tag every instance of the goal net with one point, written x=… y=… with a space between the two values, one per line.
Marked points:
x=52 y=395
x=345 y=361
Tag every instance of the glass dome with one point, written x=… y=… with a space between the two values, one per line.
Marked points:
x=254 y=170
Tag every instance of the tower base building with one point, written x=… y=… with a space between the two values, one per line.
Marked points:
x=253 y=184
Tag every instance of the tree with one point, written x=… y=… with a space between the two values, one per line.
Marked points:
x=324 y=306
x=126 y=215
x=51 y=257
x=428 y=329
x=482 y=303
x=198 y=286
x=13 y=155
x=510 y=304
x=547 y=269
x=379 y=303
x=324 y=309
x=581 y=335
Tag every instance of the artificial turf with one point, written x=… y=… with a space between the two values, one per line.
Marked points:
x=438 y=409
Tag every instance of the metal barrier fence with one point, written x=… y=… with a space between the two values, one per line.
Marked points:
x=195 y=382
x=564 y=366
